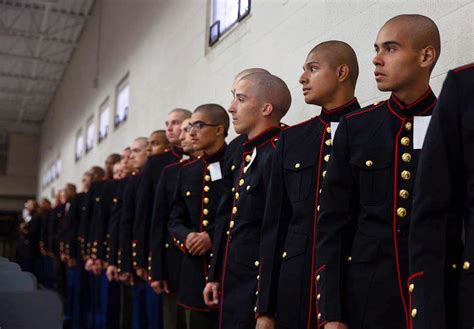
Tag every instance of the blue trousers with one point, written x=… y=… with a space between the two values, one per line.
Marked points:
x=139 y=317
x=153 y=309
x=72 y=310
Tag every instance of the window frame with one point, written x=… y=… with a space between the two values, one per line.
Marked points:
x=124 y=82
x=90 y=122
x=215 y=36
x=102 y=108
x=79 y=133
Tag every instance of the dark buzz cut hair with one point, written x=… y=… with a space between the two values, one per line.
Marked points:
x=159 y=131
x=185 y=113
x=70 y=186
x=114 y=158
x=97 y=171
x=338 y=53
x=216 y=113
x=422 y=30
x=271 y=89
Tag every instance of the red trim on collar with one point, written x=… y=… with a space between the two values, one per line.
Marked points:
x=260 y=134
x=373 y=107
x=465 y=67
x=339 y=107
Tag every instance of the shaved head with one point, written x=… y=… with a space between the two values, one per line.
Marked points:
x=216 y=113
x=421 y=30
x=183 y=112
x=338 y=53
x=244 y=73
x=271 y=89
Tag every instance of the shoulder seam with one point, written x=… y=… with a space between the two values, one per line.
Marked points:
x=370 y=108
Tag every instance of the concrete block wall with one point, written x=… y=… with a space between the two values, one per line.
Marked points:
x=162 y=45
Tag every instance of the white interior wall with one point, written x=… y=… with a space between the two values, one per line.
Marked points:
x=163 y=46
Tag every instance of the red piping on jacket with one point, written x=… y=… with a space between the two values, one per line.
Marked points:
x=411 y=277
x=465 y=67
x=313 y=252
x=395 y=240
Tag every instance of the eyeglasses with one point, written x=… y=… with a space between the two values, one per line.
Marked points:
x=198 y=125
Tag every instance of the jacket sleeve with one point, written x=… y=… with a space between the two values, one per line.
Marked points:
x=145 y=196
x=100 y=237
x=113 y=227
x=159 y=231
x=339 y=201
x=437 y=205
x=274 y=229
x=125 y=231
x=179 y=218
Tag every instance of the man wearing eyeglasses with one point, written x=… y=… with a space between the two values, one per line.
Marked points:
x=165 y=259
x=192 y=220
x=260 y=101
x=144 y=206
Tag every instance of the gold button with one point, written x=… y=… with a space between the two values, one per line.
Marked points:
x=134 y=254
x=318 y=207
x=115 y=200
x=167 y=245
x=466 y=266
x=97 y=199
x=406 y=175
x=255 y=309
x=149 y=258
x=134 y=263
x=257 y=263
x=284 y=254
x=401 y=212
x=228 y=232
x=205 y=223
x=408 y=126
x=319 y=316
x=413 y=312
x=405 y=141
x=411 y=287
x=206 y=200
x=234 y=210
x=233 y=189
x=248 y=157
x=241 y=182
x=406 y=157
x=134 y=244
x=237 y=195
x=328 y=142
x=349 y=258
x=326 y=157
x=297 y=165
x=404 y=194
x=324 y=173
x=206 y=188
x=232 y=168
x=205 y=212
x=231 y=224
x=369 y=163
x=149 y=278
x=207 y=178
x=318 y=277
x=454 y=266
x=248 y=188
x=188 y=193
x=318 y=296
x=258 y=277
x=256 y=293
x=328 y=129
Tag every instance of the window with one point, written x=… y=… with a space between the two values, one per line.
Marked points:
x=59 y=167
x=90 y=134
x=225 y=14
x=79 y=145
x=122 y=102
x=104 y=120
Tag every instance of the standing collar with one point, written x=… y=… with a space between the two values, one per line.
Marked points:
x=177 y=151
x=219 y=155
x=423 y=105
x=334 y=115
x=261 y=138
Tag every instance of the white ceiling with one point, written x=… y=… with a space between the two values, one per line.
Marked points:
x=37 y=39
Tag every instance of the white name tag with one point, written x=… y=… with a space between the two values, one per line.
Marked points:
x=254 y=155
x=334 y=126
x=420 y=126
x=185 y=157
x=215 y=171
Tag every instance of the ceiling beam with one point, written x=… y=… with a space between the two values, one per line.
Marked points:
x=36 y=35
x=27 y=77
x=42 y=7
x=12 y=91
x=34 y=58
x=14 y=126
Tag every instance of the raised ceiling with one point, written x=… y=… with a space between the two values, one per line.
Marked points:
x=37 y=40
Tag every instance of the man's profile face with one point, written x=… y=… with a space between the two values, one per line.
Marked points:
x=246 y=107
x=157 y=144
x=396 y=60
x=173 y=126
x=138 y=154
